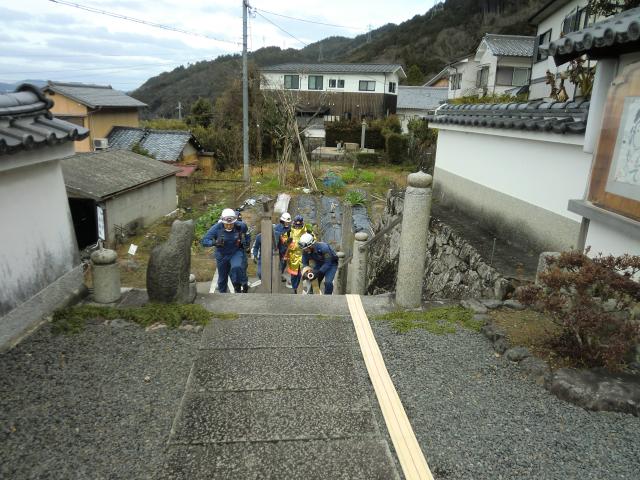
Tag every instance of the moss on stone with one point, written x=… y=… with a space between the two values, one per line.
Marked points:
x=440 y=321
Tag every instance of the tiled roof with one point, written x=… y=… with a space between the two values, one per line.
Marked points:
x=103 y=174
x=421 y=98
x=124 y=138
x=444 y=73
x=94 y=96
x=510 y=45
x=27 y=123
x=166 y=145
x=333 y=68
x=610 y=37
x=556 y=117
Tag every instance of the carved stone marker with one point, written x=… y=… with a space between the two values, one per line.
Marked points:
x=169 y=266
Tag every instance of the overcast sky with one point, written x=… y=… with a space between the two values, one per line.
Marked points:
x=51 y=41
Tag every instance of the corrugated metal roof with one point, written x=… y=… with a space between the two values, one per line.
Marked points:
x=556 y=117
x=165 y=145
x=94 y=96
x=421 y=98
x=610 y=37
x=334 y=68
x=100 y=175
x=27 y=123
x=510 y=45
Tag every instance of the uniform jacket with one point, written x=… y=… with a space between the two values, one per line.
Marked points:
x=323 y=256
x=227 y=243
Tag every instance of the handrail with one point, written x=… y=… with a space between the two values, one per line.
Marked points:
x=381 y=233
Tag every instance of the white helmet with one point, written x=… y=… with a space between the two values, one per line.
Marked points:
x=285 y=217
x=228 y=216
x=306 y=240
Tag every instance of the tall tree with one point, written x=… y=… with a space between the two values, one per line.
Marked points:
x=415 y=75
x=201 y=113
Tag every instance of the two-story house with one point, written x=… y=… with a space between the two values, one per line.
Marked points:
x=555 y=20
x=96 y=107
x=500 y=64
x=344 y=90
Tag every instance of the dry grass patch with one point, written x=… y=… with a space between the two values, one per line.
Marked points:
x=533 y=330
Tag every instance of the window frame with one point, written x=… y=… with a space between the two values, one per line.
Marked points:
x=392 y=87
x=297 y=77
x=367 y=82
x=540 y=40
x=340 y=83
x=315 y=83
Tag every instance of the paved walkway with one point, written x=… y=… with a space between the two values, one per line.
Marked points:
x=279 y=395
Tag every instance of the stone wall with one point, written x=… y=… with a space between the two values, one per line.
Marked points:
x=453 y=269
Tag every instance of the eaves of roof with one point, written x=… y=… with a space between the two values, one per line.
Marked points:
x=552 y=117
x=94 y=96
x=611 y=37
x=26 y=122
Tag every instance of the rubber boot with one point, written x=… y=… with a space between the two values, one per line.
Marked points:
x=237 y=288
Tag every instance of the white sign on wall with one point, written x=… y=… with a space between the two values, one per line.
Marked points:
x=100 y=219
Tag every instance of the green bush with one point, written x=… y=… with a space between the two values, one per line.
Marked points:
x=349 y=176
x=364 y=158
x=351 y=131
x=367 y=176
x=397 y=145
x=205 y=221
x=355 y=197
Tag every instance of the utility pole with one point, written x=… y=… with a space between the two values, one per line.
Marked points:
x=245 y=95
x=179 y=110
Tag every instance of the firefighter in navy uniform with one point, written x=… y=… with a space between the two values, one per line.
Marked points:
x=325 y=261
x=232 y=242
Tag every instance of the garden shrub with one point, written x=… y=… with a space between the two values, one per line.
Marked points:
x=367 y=176
x=591 y=300
x=365 y=158
x=351 y=131
x=206 y=220
x=397 y=145
x=355 y=197
x=349 y=176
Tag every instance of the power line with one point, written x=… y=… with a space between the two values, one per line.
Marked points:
x=280 y=28
x=144 y=22
x=110 y=68
x=308 y=21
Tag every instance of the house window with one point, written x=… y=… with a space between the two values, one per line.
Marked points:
x=512 y=76
x=577 y=20
x=333 y=83
x=482 y=77
x=367 y=86
x=392 y=87
x=340 y=83
x=292 y=82
x=542 y=39
x=455 y=81
x=315 y=82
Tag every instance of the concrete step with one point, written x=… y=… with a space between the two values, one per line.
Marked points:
x=281 y=304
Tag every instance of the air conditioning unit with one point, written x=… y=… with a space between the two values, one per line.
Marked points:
x=100 y=144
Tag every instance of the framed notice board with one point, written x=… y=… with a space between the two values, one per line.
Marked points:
x=615 y=179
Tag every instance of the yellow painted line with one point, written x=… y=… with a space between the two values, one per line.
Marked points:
x=404 y=440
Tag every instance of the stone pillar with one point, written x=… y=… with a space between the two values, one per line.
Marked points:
x=363 y=133
x=339 y=284
x=106 y=276
x=359 y=265
x=413 y=240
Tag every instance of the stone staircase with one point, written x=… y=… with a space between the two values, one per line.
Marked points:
x=280 y=391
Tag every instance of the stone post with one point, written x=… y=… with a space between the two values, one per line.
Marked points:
x=359 y=264
x=266 y=250
x=106 y=276
x=362 y=134
x=413 y=240
x=341 y=278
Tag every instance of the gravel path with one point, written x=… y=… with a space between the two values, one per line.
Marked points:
x=477 y=417
x=79 y=407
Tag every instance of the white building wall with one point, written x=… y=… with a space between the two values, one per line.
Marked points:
x=520 y=182
x=468 y=83
x=38 y=243
x=604 y=239
x=271 y=81
x=146 y=204
x=538 y=87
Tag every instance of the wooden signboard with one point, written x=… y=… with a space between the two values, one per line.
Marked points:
x=615 y=179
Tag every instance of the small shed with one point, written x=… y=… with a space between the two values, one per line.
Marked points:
x=126 y=189
x=418 y=102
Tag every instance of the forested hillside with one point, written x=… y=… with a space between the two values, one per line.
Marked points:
x=429 y=41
